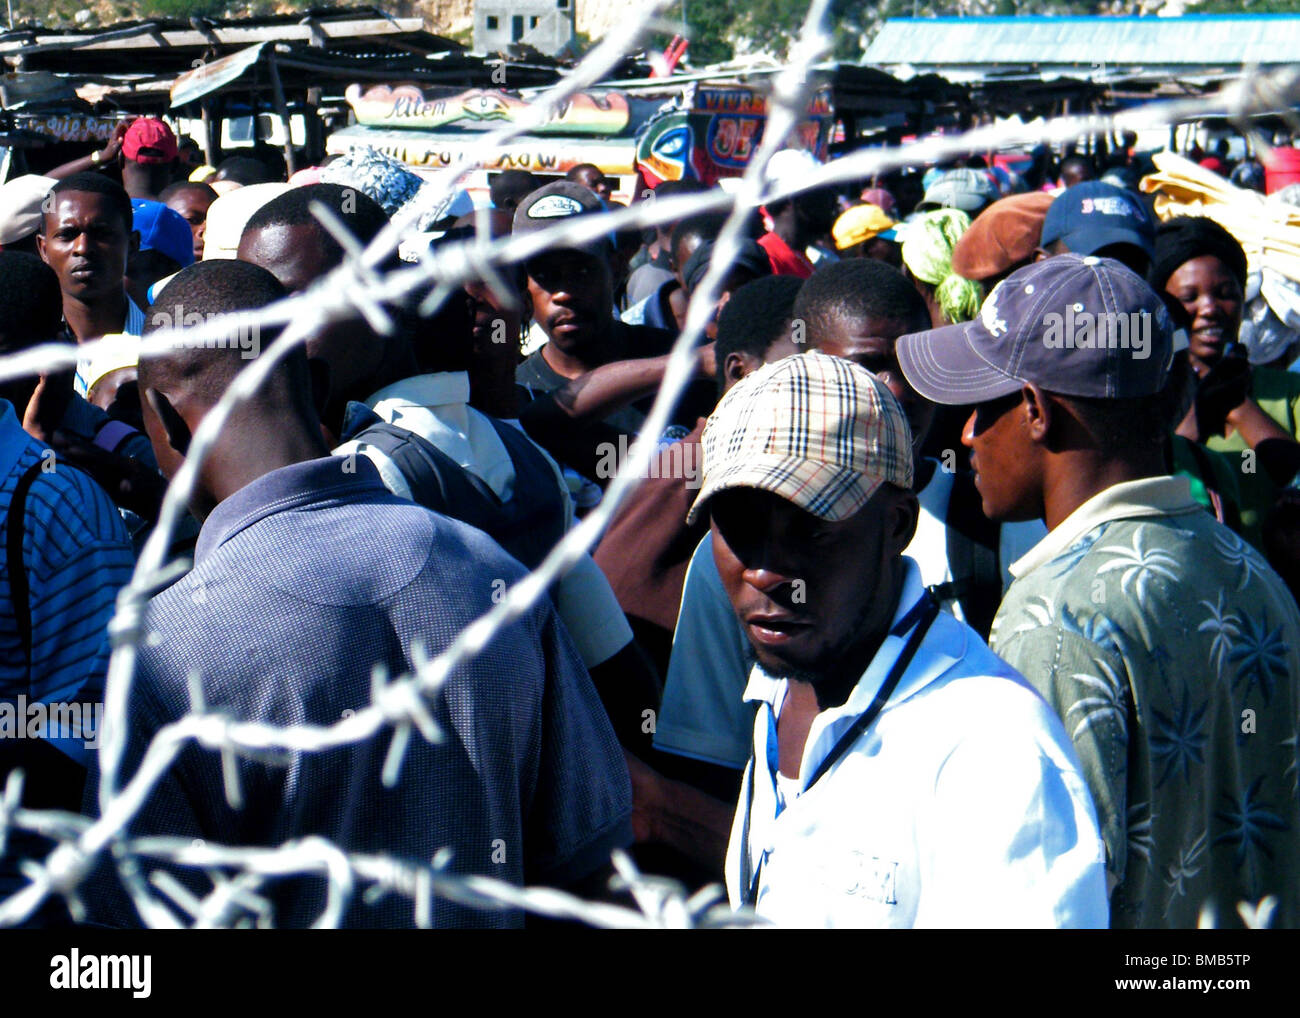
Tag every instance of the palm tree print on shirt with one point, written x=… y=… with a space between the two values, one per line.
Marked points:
x=1248 y=819
x=1179 y=739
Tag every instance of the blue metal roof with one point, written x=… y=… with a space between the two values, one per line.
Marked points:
x=1197 y=40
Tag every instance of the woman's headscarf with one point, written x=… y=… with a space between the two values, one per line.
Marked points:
x=1184 y=238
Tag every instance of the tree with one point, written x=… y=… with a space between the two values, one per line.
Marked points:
x=708 y=26
x=62 y=13
x=183 y=8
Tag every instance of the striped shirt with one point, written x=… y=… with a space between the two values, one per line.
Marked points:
x=77 y=555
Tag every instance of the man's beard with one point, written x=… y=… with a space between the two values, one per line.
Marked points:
x=828 y=678
x=789 y=674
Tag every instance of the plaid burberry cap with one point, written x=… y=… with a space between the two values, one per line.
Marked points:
x=817 y=430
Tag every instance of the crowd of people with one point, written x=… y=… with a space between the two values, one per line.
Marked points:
x=960 y=590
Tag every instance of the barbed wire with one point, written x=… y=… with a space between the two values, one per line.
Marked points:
x=360 y=288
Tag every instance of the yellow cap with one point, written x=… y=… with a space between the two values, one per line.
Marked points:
x=860 y=224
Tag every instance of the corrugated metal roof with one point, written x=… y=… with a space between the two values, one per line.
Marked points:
x=1194 y=40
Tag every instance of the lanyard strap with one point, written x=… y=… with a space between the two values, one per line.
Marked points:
x=918 y=619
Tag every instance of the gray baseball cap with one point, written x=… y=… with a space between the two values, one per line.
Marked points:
x=548 y=205
x=556 y=202
x=966 y=188
x=1076 y=325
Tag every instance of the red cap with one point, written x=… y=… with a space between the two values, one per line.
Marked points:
x=148 y=140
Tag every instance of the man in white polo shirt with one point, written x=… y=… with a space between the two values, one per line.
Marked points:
x=902 y=774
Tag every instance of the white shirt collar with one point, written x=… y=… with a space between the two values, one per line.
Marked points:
x=441 y=388
x=1150 y=496
x=436 y=407
x=934 y=659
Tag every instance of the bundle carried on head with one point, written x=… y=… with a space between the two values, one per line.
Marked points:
x=1257 y=238
x=927 y=253
x=1265 y=229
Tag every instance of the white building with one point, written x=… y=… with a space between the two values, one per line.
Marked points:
x=546 y=25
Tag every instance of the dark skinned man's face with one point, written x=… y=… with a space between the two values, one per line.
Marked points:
x=192 y=205
x=1004 y=460
x=807 y=591
x=594 y=180
x=817 y=210
x=293 y=254
x=86 y=244
x=1074 y=175
x=572 y=294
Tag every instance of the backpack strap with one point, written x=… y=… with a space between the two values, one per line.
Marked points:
x=420 y=462
x=15 y=530
x=527 y=524
x=112 y=435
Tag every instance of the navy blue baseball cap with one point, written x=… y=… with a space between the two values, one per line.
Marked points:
x=1076 y=325
x=162 y=229
x=1094 y=215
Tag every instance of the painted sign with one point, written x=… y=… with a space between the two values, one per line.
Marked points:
x=714 y=131
x=73 y=127
x=410 y=107
x=731 y=140
x=729 y=100
x=666 y=149
x=702 y=132
x=431 y=152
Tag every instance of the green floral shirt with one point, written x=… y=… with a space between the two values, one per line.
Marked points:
x=1172 y=654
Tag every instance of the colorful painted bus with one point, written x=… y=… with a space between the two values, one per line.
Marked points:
x=697 y=130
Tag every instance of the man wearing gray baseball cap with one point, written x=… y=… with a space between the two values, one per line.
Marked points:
x=1165 y=642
